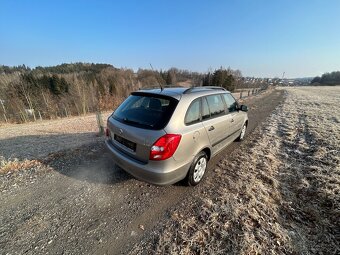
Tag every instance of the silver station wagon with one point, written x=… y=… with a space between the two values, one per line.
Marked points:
x=166 y=135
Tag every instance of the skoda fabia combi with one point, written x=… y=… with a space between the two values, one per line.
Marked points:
x=166 y=135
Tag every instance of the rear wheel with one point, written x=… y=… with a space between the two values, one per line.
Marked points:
x=243 y=132
x=197 y=169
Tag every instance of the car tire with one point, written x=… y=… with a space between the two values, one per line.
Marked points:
x=243 y=132
x=197 y=169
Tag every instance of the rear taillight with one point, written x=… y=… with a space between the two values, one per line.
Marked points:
x=164 y=147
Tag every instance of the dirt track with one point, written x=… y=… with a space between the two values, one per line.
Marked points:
x=86 y=205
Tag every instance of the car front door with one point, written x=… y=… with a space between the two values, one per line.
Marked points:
x=236 y=120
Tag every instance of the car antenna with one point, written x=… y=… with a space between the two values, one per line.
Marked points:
x=157 y=79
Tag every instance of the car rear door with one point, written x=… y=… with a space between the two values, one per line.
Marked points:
x=215 y=121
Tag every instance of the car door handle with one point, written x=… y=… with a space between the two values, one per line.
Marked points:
x=232 y=120
x=211 y=128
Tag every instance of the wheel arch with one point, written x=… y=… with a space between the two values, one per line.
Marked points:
x=207 y=151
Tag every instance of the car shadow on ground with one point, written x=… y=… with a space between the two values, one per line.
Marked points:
x=93 y=164
x=85 y=159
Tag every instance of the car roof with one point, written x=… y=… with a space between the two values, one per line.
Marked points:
x=178 y=92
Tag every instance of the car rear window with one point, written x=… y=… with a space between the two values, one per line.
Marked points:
x=147 y=111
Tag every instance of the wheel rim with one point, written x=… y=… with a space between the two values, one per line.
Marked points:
x=199 y=170
x=243 y=132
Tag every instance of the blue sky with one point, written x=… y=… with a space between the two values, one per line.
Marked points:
x=261 y=38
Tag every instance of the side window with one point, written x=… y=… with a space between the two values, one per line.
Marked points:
x=216 y=105
x=193 y=114
x=205 y=109
x=231 y=103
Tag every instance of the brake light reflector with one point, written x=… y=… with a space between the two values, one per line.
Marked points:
x=107 y=132
x=165 y=147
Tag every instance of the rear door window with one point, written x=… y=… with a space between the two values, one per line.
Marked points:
x=205 y=109
x=146 y=110
x=216 y=105
x=231 y=102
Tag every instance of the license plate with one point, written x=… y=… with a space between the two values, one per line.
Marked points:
x=130 y=145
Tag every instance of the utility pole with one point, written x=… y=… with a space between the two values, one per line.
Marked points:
x=99 y=116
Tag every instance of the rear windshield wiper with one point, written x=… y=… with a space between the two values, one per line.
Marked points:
x=126 y=120
x=131 y=121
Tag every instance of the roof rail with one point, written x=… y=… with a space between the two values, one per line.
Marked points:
x=203 y=87
x=158 y=87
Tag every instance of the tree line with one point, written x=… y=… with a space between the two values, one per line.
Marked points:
x=332 y=78
x=79 y=88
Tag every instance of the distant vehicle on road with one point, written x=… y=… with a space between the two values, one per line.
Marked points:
x=166 y=135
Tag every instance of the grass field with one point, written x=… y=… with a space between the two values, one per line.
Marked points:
x=280 y=195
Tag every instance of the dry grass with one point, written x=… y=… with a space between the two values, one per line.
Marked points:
x=14 y=165
x=280 y=196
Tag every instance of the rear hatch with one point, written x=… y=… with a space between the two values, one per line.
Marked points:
x=138 y=122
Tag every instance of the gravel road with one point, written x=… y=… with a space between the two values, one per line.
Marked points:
x=84 y=204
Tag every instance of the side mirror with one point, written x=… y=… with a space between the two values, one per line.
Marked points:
x=244 y=108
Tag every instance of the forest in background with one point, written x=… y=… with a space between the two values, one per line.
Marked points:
x=79 y=88
x=332 y=79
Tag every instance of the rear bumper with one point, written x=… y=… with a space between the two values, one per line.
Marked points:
x=156 y=172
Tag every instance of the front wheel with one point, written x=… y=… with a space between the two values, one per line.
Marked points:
x=197 y=169
x=243 y=132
